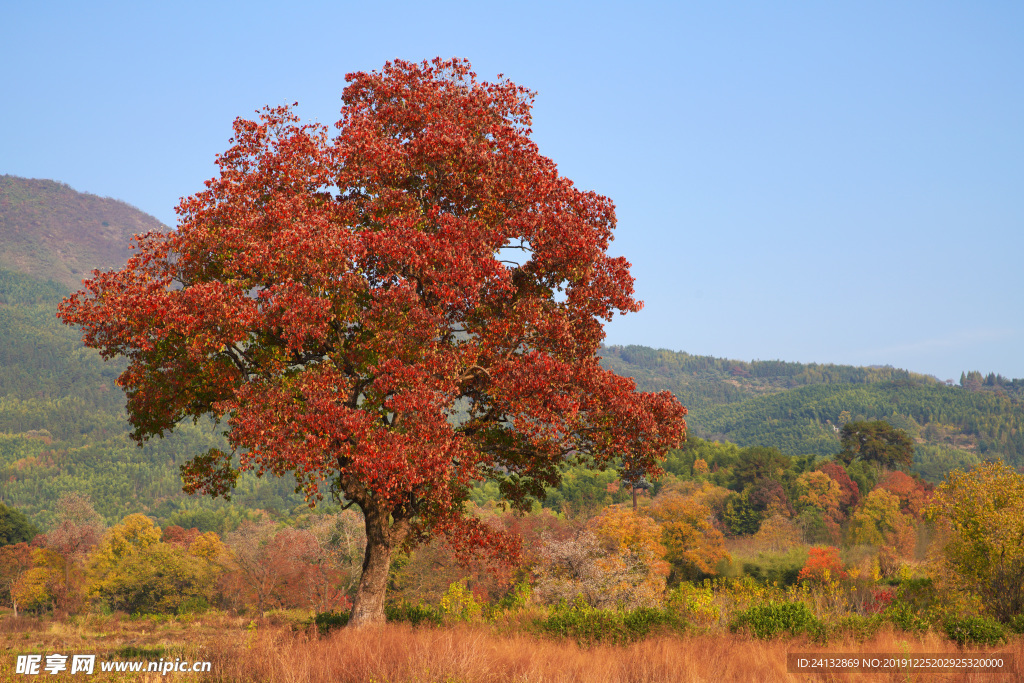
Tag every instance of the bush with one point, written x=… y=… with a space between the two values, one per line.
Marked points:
x=588 y=625
x=781 y=568
x=904 y=616
x=974 y=631
x=1016 y=623
x=517 y=598
x=458 y=603
x=193 y=605
x=775 y=618
x=417 y=615
x=823 y=565
x=921 y=593
x=878 y=600
x=328 y=621
x=694 y=603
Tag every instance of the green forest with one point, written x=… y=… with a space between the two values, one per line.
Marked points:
x=800 y=409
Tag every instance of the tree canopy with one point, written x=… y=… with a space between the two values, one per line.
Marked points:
x=390 y=314
x=876 y=441
x=15 y=527
x=981 y=515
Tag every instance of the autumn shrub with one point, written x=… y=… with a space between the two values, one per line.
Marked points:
x=921 y=603
x=459 y=604
x=1016 y=624
x=632 y=569
x=642 y=621
x=878 y=599
x=974 y=631
x=737 y=595
x=823 y=565
x=694 y=547
x=586 y=625
x=773 y=619
x=414 y=614
x=695 y=603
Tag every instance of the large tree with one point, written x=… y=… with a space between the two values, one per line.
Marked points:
x=15 y=526
x=876 y=441
x=981 y=519
x=391 y=313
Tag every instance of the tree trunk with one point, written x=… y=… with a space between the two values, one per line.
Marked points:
x=382 y=537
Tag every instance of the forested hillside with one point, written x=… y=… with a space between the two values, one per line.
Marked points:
x=63 y=428
x=62 y=420
x=799 y=408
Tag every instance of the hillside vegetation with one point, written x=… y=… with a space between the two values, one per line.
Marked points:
x=800 y=408
x=52 y=232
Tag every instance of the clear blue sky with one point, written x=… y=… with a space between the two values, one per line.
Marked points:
x=808 y=181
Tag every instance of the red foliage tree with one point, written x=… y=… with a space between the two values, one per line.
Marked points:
x=849 y=493
x=395 y=313
x=914 y=494
x=177 y=536
x=823 y=564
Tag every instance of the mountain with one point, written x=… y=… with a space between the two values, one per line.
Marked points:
x=52 y=232
x=63 y=424
x=799 y=408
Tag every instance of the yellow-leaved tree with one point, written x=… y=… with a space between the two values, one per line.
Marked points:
x=694 y=546
x=133 y=571
x=635 y=557
x=981 y=520
x=818 y=498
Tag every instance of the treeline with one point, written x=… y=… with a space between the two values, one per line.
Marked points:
x=974 y=381
x=705 y=379
x=807 y=419
x=740 y=538
x=799 y=408
x=121 y=478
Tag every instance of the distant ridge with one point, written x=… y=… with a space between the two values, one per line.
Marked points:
x=799 y=408
x=52 y=232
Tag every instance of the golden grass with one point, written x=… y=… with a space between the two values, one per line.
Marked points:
x=270 y=652
x=398 y=653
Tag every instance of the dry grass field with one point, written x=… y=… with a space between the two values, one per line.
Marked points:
x=277 y=650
